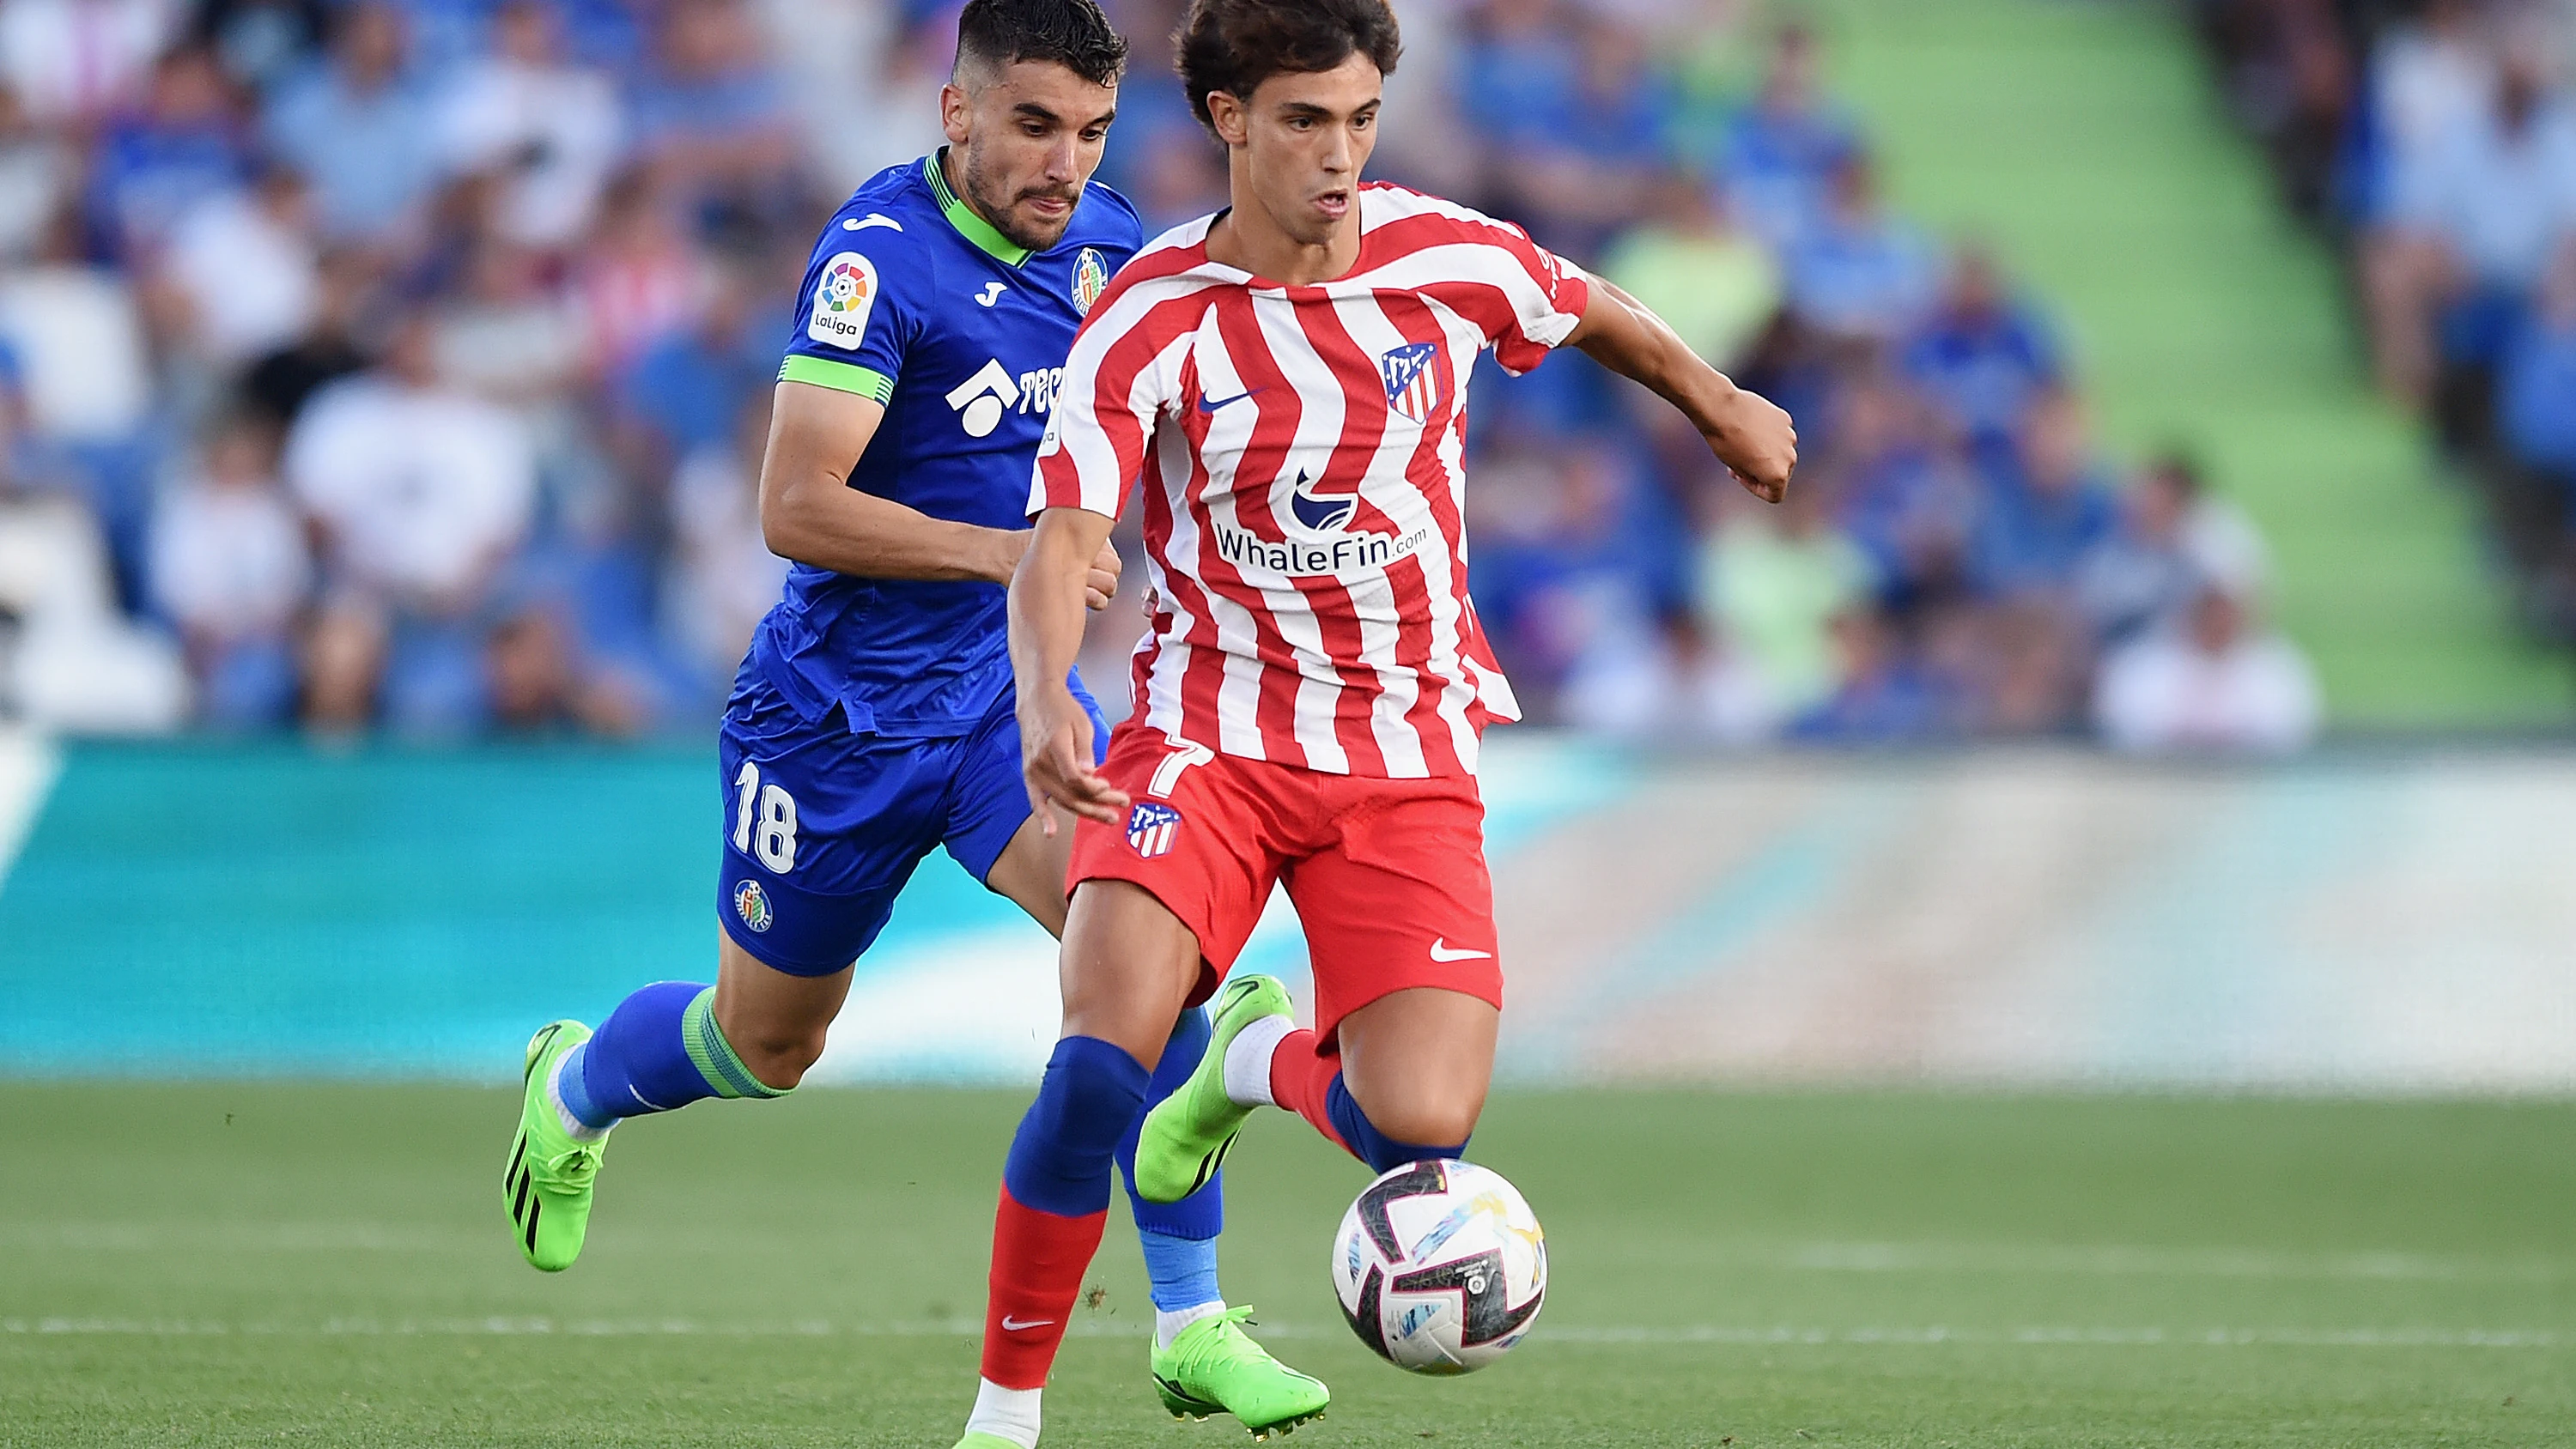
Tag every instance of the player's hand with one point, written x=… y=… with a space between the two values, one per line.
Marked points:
x=1055 y=758
x=1102 y=585
x=1753 y=437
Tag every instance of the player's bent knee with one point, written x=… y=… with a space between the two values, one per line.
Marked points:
x=780 y=1060
x=1429 y=1118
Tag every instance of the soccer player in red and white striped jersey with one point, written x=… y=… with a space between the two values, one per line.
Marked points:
x=1284 y=384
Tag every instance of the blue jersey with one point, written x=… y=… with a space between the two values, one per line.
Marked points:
x=914 y=301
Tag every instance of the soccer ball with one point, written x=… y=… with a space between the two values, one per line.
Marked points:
x=1440 y=1267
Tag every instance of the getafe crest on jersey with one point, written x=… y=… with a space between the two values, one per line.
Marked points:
x=1090 y=279
x=1151 y=826
x=1412 y=374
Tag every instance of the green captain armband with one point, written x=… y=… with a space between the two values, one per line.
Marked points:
x=848 y=377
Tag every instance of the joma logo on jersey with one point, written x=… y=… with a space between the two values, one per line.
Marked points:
x=1412 y=377
x=980 y=401
x=843 y=297
x=1350 y=553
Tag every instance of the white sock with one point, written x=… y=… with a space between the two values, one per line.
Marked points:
x=581 y=1131
x=1247 y=1061
x=1168 y=1326
x=1007 y=1413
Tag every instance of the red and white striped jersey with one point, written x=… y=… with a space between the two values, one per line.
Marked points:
x=1300 y=450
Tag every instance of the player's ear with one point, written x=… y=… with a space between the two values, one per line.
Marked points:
x=955 y=107
x=1228 y=118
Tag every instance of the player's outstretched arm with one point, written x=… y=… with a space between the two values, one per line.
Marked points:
x=1046 y=633
x=1746 y=432
x=809 y=513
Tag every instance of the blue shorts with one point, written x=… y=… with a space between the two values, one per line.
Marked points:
x=823 y=826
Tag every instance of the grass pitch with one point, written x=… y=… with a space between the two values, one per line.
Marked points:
x=237 y=1264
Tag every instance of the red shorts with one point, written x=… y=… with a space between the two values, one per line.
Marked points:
x=1388 y=876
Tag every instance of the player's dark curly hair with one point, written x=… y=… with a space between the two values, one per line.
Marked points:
x=1070 y=33
x=1235 y=45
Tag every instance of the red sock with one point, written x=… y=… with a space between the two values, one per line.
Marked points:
x=1300 y=1080
x=1038 y=1262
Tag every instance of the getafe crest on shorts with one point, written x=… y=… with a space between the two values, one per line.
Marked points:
x=752 y=904
x=1151 y=826
x=1090 y=279
x=1412 y=374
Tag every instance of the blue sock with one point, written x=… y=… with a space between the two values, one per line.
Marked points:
x=1201 y=1215
x=1060 y=1158
x=1182 y=1270
x=659 y=1049
x=1381 y=1152
x=1179 y=1238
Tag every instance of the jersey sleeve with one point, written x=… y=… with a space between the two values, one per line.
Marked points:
x=855 y=317
x=1548 y=295
x=1121 y=374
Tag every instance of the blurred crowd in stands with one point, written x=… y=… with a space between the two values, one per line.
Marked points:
x=404 y=364
x=2434 y=141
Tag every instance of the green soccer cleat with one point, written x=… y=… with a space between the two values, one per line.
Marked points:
x=1185 y=1137
x=1214 y=1367
x=549 y=1180
x=977 y=1440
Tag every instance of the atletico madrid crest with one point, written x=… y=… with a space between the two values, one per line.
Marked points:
x=1412 y=374
x=1151 y=826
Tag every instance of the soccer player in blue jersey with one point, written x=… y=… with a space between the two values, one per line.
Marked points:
x=873 y=719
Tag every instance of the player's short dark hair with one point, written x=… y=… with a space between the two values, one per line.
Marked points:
x=1070 y=33
x=1235 y=45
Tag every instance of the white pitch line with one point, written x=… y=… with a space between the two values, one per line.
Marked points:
x=2160 y=1262
x=1929 y=1258
x=1784 y=1337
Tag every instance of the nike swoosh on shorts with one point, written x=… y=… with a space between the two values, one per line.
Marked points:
x=1442 y=951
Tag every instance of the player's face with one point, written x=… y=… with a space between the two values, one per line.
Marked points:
x=1026 y=140
x=1304 y=137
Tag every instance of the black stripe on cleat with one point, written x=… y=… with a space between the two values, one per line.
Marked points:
x=534 y=1209
x=518 y=1155
x=537 y=1049
x=1210 y=1162
x=519 y=1204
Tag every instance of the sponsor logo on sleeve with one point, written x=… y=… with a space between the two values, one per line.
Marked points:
x=843 y=297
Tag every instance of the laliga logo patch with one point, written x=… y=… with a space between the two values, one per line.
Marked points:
x=1412 y=377
x=1090 y=279
x=752 y=904
x=1151 y=826
x=843 y=298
